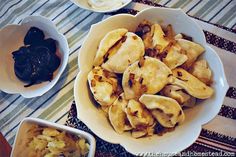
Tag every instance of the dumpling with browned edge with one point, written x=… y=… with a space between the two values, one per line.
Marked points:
x=158 y=38
x=110 y=39
x=178 y=93
x=141 y=132
x=117 y=115
x=191 y=49
x=201 y=70
x=153 y=36
x=167 y=111
x=124 y=53
x=138 y=116
x=148 y=75
x=145 y=31
x=103 y=85
x=190 y=84
x=175 y=57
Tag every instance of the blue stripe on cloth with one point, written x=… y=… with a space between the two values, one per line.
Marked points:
x=10 y=8
x=62 y=12
x=39 y=7
x=10 y=104
x=77 y=23
x=167 y=2
x=61 y=117
x=194 y=6
x=220 y=10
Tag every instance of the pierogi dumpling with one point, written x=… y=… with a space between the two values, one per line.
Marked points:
x=153 y=36
x=191 y=50
x=141 y=132
x=124 y=53
x=177 y=93
x=175 y=57
x=166 y=110
x=160 y=76
x=110 y=39
x=104 y=86
x=117 y=115
x=190 y=84
x=148 y=75
x=201 y=70
x=159 y=39
x=145 y=30
x=138 y=116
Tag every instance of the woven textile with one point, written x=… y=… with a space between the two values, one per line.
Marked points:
x=216 y=17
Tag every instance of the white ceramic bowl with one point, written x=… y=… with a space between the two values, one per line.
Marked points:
x=84 y=4
x=11 y=39
x=26 y=123
x=185 y=134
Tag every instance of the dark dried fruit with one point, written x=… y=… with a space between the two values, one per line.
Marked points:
x=50 y=44
x=20 y=56
x=36 y=62
x=24 y=72
x=33 y=36
x=54 y=63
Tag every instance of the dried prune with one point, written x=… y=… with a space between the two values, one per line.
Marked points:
x=41 y=57
x=54 y=63
x=50 y=44
x=36 y=62
x=24 y=72
x=33 y=36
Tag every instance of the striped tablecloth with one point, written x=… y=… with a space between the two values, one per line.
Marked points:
x=216 y=17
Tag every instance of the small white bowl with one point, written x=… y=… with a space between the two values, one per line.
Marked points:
x=183 y=135
x=26 y=123
x=11 y=39
x=84 y=4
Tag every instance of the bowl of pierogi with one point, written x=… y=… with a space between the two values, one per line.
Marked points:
x=148 y=82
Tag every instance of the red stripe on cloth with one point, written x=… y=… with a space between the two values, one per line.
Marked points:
x=220 y=144
x=213 y=145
